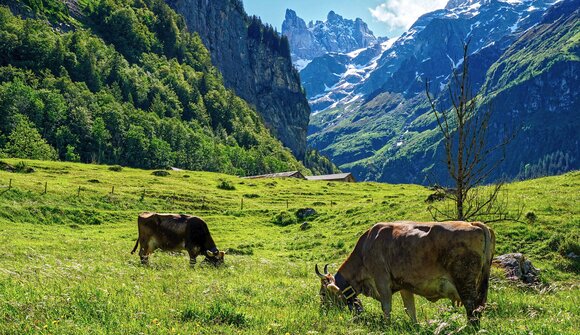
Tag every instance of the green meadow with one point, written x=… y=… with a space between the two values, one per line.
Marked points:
x=66 y=267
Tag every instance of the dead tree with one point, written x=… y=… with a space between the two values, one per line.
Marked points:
x=469 y=157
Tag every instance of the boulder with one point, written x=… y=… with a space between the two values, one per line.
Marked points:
x=303 y=213
x=517 y=267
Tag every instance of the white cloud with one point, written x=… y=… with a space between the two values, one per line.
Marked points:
x=399 y=14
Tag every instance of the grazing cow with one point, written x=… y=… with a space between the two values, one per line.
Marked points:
x=173 y=232
x=434 y=260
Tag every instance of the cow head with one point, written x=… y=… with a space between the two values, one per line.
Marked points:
x=215 y=257
x=332 y=295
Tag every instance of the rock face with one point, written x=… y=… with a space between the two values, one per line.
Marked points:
x=259 y=73
x=336 y=34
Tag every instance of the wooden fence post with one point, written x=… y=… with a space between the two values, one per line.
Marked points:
x=242 y=204
x=10 y=184
x=286 y=203
x=113 y=190
x=45 y=187
x=79 y=192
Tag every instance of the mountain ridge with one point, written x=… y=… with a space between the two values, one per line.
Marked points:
x=336 y=34
x=363 y=123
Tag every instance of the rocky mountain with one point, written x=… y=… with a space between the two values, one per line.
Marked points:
x=372 y=119
x=255 y=64
x=336 y=34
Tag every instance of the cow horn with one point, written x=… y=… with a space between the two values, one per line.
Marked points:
x=318 y=271
x=326 y=269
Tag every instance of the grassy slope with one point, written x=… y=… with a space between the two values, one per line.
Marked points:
x=65 y=266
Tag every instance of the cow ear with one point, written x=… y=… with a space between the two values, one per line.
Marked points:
x=222 y=254
x=332 y=287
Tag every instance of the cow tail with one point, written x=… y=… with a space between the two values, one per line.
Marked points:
x=488 y=250
x=136 y=245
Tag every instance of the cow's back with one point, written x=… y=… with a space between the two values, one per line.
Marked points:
x=165 y=231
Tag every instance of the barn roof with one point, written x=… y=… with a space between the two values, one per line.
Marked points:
x=295 y=174
x=337 y=176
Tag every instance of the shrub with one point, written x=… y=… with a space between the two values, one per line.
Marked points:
x=21 y=167
x=284 y=219
x=531 y=217
x=116 y=168
x=160 y=173
x=251 y=196
x=226 y=185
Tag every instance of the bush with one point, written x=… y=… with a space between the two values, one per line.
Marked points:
x=160 y=173
x=531 y=217
x=116 y=168
x=21 y=167
x=226 y=185
x=284 y=219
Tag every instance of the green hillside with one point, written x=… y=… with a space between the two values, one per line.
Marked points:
x=122 y=82
x=66 y=267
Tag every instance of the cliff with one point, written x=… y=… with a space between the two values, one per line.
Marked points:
x=256 y=66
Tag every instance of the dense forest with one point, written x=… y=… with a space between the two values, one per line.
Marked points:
x=124 y=82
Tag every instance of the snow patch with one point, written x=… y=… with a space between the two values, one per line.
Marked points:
x=300 y=64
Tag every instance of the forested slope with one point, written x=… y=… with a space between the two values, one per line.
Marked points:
x=122 y=82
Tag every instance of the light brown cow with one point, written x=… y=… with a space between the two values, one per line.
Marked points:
x=434 y=260
x=176 y=232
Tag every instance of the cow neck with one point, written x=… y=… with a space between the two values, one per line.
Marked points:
x=345 y=287
x=348 y=273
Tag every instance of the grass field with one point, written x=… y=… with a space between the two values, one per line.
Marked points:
x=66 y=267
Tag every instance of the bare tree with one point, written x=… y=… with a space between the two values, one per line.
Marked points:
x=468 y=153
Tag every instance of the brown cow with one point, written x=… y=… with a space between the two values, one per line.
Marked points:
x=434 y=260
x=173 y=232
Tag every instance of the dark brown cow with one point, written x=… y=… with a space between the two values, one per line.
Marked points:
x=434 y=260
x=173 y=232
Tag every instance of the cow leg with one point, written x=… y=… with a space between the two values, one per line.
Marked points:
x=386 y=298
x=144 y=252
x=147 y=247
x=192 y=257
x=465 y=267
x=472 y=314
x=409 y=302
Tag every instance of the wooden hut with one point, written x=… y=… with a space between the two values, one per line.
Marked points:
x=341 y=177
x=288 y=174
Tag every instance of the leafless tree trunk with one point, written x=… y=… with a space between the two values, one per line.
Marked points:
x=465 y=129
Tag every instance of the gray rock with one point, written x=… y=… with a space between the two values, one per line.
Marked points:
x=303 y=213
x=517 y=267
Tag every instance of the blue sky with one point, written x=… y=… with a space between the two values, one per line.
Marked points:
x=384 y=17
